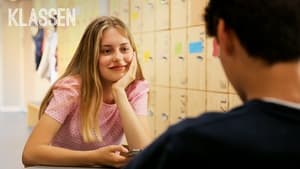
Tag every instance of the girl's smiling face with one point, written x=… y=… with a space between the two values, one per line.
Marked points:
x=115 y=55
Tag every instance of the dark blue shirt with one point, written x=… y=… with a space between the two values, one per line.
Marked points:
x=256 y=134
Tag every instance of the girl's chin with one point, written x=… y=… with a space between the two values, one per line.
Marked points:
x=116 y=78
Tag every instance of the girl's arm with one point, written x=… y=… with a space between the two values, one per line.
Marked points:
x=38 y=150
x=136 y=128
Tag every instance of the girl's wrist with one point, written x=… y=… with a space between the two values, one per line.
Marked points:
x=117 y=91
x=91 y=157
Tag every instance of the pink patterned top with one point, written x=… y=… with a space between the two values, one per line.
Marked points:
x=64 y=107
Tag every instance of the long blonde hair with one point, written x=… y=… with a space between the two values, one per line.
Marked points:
x=85 y=64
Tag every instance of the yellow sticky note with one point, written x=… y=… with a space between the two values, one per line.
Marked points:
x=147 y=55
x=135 y=15
x=178 y=48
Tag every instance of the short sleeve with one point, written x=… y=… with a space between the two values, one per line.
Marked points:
x=138 y=96
x=65 y=99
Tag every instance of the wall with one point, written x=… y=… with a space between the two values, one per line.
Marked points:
x=11 y=62
x=20 y=84
x=1 y=57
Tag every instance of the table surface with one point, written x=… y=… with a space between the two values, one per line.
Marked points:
x=57 y=167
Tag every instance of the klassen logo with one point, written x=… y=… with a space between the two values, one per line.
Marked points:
x=43 y=17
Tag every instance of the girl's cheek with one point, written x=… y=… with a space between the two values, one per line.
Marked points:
x=128 y=58
x=104 y=60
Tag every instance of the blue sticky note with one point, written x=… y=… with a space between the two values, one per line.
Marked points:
x=196 y=47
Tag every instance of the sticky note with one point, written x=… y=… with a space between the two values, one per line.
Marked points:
x=196 y=47
x=147 y=55
x=178 y=48
x=135 y=15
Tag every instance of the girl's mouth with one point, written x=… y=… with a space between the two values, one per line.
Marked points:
x=118 y=68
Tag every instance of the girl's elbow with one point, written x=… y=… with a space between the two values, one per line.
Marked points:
x=27 y=158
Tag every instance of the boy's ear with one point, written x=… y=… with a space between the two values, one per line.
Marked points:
x=225 y=37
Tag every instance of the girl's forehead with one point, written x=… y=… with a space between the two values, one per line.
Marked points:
x=113 y=37
x=114 y=30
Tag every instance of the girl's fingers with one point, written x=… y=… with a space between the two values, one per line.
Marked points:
x=118 y=148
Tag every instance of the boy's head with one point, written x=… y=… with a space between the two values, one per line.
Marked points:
x=267 y=29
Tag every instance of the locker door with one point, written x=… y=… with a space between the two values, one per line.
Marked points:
x=124 y=11
x=162 y=20
x=89 y=11
x=217 y=102
x=178 y=13
x=148 y=56
x=196 y=9
x=178 y=105
x=152 y=108
x=178 y=58
x=216 y=78
x=234 y=100
x=162 y=103
x=138 y=42
x=196 y=103
x=196 y=58
x=162 y=58
x=136 y=18
x=148 y=17
x=114 y=8
x=231 y=89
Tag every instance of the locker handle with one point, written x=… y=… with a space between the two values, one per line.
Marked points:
x=181 y=58
x=150 y=4
x=200 y=58
x=164 y=116
x=223 y=101
x=180 y=117
x=150 y=113
x=183 y=96
x=164 y=58
x=163 y=2
x=137 y=7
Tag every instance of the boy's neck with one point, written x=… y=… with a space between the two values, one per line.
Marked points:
x=280 y=81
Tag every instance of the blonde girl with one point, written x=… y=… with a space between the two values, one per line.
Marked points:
x=101 y=97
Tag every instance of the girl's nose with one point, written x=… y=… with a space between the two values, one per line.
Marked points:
x=117 y=56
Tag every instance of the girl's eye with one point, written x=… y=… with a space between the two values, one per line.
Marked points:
x=124 y=49
x=106 y=51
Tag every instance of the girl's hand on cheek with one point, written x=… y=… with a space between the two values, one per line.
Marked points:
x=129 y=77
x=129 y=58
